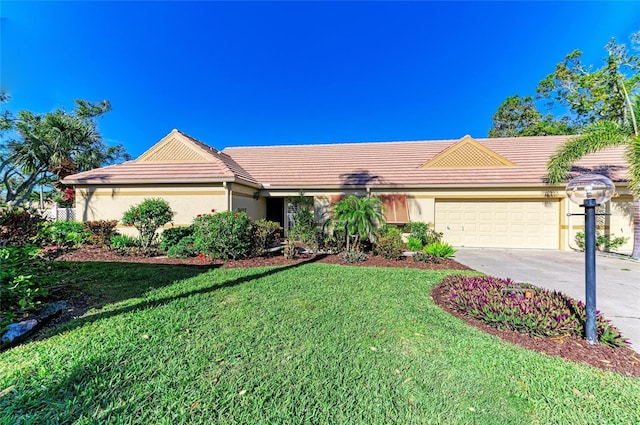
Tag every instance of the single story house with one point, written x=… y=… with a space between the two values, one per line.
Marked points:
x=488 y=192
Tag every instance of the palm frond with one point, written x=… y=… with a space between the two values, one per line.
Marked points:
x=596 y=137
x=633 y=158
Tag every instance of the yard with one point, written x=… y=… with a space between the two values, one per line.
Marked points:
x=303 y=343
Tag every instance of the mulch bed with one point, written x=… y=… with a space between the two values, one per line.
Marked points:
x=94 y=253
x=622 y=360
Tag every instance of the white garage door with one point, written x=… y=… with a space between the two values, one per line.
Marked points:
x=499 y=224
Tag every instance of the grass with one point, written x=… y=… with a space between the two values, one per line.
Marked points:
x=314 y=343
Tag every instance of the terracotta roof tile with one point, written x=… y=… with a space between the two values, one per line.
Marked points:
x=154 y=166
x=399 y=163
x=358 y=164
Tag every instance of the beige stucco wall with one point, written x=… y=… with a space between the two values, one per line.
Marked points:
x=243 y=198
x=110 y=202
x=618 y=224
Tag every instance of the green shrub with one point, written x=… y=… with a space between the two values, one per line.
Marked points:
x=265 y=235
x=124 y=241
x=414 y=244
x=304 y=225
x=226 y=235
x=389 y=243
x=126 y=245
x=290 y=249
x=422 y=257
x=100 y=231
x=25 y=278
x=185 y=248
x=352 y=256
x=439 y=250
x=334 y=240
x=504 y=304
x=423 y=231
x=171 y=236
x=62 y=233
x=604 y=243
x=19 y=226
x=148 y=216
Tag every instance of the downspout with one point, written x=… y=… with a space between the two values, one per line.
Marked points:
x=227 y=189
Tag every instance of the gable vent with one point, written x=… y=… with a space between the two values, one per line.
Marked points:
x=176 y=148
x=468 y=153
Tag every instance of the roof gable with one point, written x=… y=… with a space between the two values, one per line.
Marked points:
x=468 y=153
x=178 y=147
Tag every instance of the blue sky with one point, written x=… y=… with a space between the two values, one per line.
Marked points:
x=256 y=73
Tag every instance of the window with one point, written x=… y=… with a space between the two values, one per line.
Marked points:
x=394 y=208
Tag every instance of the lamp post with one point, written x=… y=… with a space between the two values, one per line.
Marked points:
x=589 y=191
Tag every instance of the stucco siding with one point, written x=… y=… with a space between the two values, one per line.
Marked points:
x=618 y=224
x=110 y=203
x=243 y=198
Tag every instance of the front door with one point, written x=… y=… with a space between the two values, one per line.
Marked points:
x=275 y=210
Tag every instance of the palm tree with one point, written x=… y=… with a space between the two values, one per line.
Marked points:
x=57 y=144
x=358 y=217
x=598 y=136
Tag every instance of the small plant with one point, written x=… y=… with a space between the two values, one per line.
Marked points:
x=172 y=236
x=100 y=231
x=19 y=225
x=353 y=256
x=304 y=226
x=422 y=231
x=504 y=304
x=226 y=235
x=148 y=217
x=333 y=240
x=290 y=249
x=414 y=244
x=183 y=249
x=389 y=243
x=265 y=234
x=26 y=277
x=422 y=257
x=440 y=250
x=604 y=243
x=124 y=241
x=358 y=218
x=127 y=245
x=62 y=233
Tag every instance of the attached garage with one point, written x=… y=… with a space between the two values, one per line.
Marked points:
x=499 y=223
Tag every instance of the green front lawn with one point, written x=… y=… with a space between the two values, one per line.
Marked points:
x=314 y=343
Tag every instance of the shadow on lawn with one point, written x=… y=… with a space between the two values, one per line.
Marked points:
x=184 y=272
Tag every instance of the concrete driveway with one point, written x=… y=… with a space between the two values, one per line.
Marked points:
x=617 y=279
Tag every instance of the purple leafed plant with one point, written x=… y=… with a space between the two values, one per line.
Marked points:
x=505 y=304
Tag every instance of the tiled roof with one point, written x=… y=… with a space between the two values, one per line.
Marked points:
x=400 y=163
x=178 y=157
x=389 y=164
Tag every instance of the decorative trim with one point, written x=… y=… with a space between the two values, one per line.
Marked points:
x=121 y=193
x=467 y=153
x=175 y=147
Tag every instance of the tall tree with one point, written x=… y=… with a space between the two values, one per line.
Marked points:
x=48 y=147
x=609 y=109
x=590 y=95
x=519 y=116
x=575 y=95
